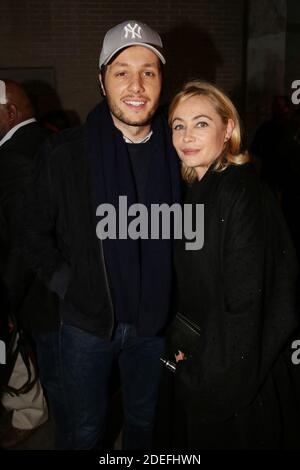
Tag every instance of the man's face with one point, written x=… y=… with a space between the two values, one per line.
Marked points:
x=4 y=120
x=132 y=86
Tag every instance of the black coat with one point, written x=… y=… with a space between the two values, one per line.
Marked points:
x=27 y=295
x=240 y=290
x=60 y=242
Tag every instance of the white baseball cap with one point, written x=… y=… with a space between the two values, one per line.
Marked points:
x=130 y=33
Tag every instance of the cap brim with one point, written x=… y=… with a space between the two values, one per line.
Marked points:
x=152 y=48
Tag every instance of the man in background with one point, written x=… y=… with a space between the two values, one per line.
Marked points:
x=20 y=138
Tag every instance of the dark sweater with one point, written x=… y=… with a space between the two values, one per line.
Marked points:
x=140 y=157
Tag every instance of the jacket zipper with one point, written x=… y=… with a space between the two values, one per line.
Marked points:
x=107 y=286
x=189 y=322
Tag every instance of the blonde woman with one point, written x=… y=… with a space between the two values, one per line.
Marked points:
x=235 y=295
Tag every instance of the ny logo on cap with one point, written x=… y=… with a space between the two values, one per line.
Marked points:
x=132 y=30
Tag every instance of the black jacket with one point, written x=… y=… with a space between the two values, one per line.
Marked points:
x=240 y=290
x=17 y=158
x=60 y=238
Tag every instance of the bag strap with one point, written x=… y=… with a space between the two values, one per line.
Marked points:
x=21 y=346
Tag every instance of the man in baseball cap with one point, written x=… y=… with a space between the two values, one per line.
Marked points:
x=131 y=77
x=115 y=293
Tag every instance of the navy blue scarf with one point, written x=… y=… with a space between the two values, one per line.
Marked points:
x=140 y=271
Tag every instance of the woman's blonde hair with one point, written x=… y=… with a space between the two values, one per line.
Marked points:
x=225 y=108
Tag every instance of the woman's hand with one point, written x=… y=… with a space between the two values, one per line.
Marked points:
x=180 y=356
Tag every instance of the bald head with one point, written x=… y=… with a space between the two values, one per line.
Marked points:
x=15 y=106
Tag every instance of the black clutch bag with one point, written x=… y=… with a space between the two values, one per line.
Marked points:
x=183 y=335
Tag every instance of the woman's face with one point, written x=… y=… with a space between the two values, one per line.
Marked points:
x=199 y=133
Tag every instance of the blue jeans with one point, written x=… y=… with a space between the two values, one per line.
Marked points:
x=75 y=369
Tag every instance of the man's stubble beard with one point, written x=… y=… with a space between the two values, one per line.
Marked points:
x=120 y=115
